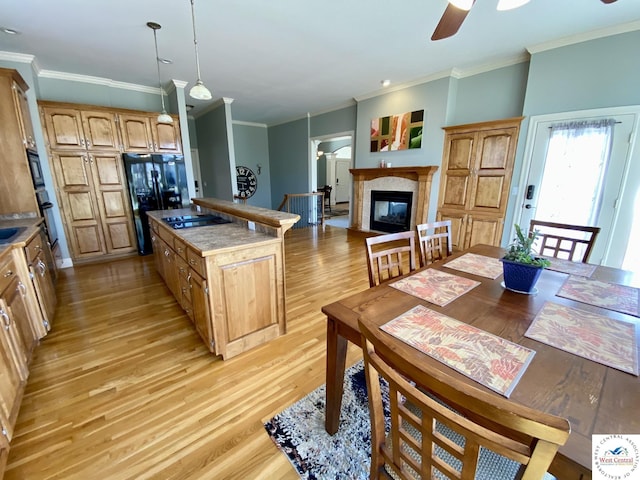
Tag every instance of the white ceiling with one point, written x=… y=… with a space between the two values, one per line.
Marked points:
x=282 y=59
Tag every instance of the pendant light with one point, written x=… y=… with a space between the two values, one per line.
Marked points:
x=510 y=4
x=198 y=91
x=164 y=117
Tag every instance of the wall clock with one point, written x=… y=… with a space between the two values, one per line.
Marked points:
x=247 y=182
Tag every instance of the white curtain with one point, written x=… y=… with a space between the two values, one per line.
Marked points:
x=574 y=172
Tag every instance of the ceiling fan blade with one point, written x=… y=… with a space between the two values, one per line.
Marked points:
x=608 y=1
x=450 y=22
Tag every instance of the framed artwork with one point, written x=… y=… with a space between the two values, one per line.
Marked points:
x=397 y=132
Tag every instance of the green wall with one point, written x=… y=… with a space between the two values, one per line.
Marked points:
x=216 y=153
x=289 y=159
x=252 y=149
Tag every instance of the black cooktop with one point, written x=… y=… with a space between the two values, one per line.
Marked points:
x=189 y=221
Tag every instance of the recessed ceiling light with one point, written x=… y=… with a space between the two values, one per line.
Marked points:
x=166 y=61
x=9 y=31
x=385 y=83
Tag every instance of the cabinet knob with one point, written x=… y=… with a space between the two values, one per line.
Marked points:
x=22 y=289
x=5 y=319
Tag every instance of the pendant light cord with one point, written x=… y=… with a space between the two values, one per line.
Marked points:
x=155 y=41
x=195 y=40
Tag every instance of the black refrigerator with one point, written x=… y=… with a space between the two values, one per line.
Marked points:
x=156 y=182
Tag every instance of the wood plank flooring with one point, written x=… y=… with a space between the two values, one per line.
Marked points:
x=123 y=387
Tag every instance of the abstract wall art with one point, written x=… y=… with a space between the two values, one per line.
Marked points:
x=397 y=132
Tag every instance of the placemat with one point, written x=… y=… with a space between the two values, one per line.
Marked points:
x=477 y=265
x=492 y=361
x=588 y=335
x=572 y=268
x=435 y=286
x=601 y=294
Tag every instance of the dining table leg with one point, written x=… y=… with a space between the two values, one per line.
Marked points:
x=336 y=358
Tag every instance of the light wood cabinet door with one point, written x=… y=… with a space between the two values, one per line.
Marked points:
x=24 y=338
x=64 y=128
x=483 y=230
x=491 y=178
x=113 y=201
x=201 y=314
x=136 y=133
x=24 y=116
x=166 y=136
x=458 y=227
x=458 y=164
x=79 y=205
x=45 y=288
x=12 y=380
x=100 y=130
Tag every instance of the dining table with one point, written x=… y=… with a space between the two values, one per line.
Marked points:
x=594 y=397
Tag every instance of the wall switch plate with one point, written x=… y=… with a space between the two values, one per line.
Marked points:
x=251 y=225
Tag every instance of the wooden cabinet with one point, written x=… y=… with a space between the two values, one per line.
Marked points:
x=94 y=202
x=477 y=166
x=24 y=116
x=70 y=128
x=39 y=259
x=15 y=343
x=142 y=133
x=234 y=296
x=17 y=194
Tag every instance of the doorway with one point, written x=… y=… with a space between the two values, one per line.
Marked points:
x=574 y=173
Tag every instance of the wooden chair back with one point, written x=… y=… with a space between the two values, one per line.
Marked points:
x=428 y=434
x=560 y=240
x=390 y=256
x=435 y=241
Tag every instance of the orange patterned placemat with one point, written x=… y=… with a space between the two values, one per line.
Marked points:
x=435 y=286
x=477 y=265
x=485 y=358
x=588 y=335
x=601 y=294
x=572 y=268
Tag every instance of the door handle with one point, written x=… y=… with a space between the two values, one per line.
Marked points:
x=528 y=206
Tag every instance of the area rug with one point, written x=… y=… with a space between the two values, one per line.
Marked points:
x=299 y=432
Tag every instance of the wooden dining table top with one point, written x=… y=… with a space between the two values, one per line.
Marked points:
x=595 y=398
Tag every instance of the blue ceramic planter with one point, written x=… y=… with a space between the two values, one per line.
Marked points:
x=520 y=277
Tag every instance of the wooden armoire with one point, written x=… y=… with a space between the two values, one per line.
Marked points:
x=477 y=166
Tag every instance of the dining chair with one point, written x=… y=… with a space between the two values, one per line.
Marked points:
x=435 y=241
x=455 y=431
x=560 y=240
x=390 y=256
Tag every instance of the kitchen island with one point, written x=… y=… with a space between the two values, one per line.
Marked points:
x=228 y=277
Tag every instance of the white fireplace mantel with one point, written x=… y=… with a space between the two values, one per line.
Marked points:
x=416 y=179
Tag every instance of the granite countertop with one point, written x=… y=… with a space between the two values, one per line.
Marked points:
x=212 y=239
x=30 y=225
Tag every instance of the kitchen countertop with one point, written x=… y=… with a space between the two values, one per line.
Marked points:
x=31 y=225
x=212 y=239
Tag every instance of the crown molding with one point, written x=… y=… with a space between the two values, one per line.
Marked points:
x=17 y=57
x=249 y=124
x=584 y=37
x=107 y=82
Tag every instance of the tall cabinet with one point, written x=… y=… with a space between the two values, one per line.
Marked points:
x=85 y=146
x=17 y=193
x=477 y=166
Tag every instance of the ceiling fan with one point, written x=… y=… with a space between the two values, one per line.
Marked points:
x=457 y=11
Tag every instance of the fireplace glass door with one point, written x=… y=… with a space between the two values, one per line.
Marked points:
x=390 y=211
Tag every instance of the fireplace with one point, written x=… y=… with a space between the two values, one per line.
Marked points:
x=390 y=211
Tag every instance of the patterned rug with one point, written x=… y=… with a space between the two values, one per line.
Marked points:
x=299 y=432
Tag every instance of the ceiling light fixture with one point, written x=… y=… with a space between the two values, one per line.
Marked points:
x=462 y=4
x=9 y=31
x=385 y=83
x=198 y=91
x=510 y=4
x=164 y=117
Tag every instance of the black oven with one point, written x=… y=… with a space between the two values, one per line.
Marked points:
x=46 y=210
x=36 y=169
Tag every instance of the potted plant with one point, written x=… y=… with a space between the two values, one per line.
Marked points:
x=521 y=266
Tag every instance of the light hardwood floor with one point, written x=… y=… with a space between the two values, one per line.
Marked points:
x=123 y=388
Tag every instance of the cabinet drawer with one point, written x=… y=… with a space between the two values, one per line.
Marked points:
x=182 y=267
x=7 y=273
x=196 y=262
x=185 y=288
x=154 y=226
x=167 y=236
x=180 y=247
x=33 y=248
